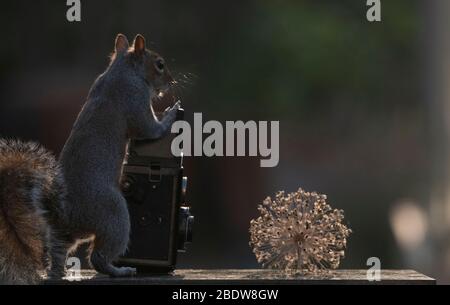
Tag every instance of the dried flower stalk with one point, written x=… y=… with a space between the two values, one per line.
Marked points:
x=299 y=231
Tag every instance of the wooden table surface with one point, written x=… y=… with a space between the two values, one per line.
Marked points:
x=249 y=277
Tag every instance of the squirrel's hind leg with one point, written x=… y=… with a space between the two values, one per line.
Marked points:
x=111 y=237
x=58 y=255
x=103 y=264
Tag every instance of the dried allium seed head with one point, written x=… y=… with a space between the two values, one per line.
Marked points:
x=299 y=231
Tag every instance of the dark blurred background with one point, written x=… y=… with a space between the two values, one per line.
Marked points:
x=363 y=108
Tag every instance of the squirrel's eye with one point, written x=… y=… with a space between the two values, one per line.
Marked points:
x=160 y=65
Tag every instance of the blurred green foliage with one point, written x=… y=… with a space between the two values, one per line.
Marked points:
x=309 y=57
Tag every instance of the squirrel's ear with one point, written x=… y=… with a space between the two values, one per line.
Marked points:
x=139 y=44
x=121 y=45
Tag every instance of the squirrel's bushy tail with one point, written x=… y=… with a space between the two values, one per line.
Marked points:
x=28 y=174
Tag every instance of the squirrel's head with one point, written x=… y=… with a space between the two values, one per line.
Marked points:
x=149 y=64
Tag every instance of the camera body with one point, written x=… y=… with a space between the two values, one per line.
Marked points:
x=154 y=187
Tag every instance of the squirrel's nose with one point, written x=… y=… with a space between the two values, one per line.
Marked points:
x=170 y=79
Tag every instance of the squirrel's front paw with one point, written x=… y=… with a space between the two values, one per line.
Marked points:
x=176 y=107
x=171 y=113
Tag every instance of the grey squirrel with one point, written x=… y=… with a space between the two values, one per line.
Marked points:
x=48 y=207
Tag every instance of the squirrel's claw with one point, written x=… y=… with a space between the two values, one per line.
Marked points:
x=177 y=105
